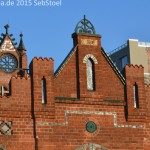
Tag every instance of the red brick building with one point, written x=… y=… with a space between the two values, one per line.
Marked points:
x=87 y=104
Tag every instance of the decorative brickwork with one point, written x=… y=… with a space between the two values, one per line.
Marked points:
x=43 y=110
x=91 y=146
x=65 y=61
x=5 y=128
x=114 y=114
x=7 y=45
x=90 y=56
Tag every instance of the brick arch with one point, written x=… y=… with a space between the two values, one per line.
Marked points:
x=90 y=56
x=91 y=145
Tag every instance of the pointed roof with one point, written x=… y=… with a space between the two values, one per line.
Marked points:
x=115 y=69
x=108 y=59
x=7 y=35
x=86 y=27
x=21 y=44
x=65 y=61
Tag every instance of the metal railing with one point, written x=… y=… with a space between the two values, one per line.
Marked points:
x=144 y=44
x=117 y=49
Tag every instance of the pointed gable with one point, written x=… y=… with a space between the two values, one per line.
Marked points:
x=115 y=69
x=13 y=61
x=100 y=82
x=7 y=44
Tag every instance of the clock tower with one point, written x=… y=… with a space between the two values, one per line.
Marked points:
x=13 y=61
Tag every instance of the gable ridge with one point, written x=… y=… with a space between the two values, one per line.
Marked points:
x=4 y=37
x=65 y=61
x=115 y=69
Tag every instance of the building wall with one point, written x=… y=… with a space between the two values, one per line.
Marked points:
x=118 y=55
x=73 y=117
x=137 y=54
x=16 y=123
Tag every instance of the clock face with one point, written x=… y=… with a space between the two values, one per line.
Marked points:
x=8 y=63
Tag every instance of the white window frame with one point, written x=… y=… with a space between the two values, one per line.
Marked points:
x=136 y=96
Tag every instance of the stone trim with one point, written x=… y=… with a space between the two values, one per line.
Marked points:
x=90 y=56
x=67 y=112
x=91 y=145
x=5 y=128
x=113 y=66
x=63 y=64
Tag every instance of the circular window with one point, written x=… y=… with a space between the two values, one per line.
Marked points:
x=91 y=127
x=8 y=63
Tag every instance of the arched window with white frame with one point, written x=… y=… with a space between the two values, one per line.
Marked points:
x=44 y=99
x=90 y=61
x=90 y=73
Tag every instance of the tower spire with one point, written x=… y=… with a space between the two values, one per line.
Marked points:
x=21 y=44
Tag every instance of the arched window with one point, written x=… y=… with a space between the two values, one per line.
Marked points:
x=136 y=97
x=44 y=100
x=90 y=73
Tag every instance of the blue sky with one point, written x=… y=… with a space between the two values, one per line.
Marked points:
x=47 y=30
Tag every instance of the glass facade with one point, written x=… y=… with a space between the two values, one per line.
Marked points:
x=123 y=61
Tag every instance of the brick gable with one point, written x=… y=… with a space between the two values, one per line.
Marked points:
x=86 y=104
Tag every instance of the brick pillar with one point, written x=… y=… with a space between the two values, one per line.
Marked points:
x=42 y=112
x=24 y=61
x=135 y=75
x=147 y=119
x=42 y=68
x=88 y=46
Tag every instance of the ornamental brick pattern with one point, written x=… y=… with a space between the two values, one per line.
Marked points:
x=72 y=117
x=5 y=128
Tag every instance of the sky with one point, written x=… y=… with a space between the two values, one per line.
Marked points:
x=47 y=30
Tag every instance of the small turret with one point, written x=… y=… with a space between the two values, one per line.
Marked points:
x=21 y=48
x=22 y=51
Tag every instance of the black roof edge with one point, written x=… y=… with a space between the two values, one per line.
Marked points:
x=57 y=70
x=113 y=66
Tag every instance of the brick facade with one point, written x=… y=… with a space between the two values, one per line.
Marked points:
x=71 y=117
